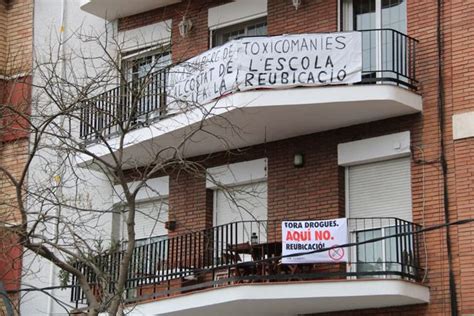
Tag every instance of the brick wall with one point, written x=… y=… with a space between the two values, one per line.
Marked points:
x=10 y=266
x=15 y=94
x=16 y=36
x=317 y=190
x=312 y=16
x=459 y=95
x=16 y=47
x=182 y=48
x=13 y=156
x=3 y=33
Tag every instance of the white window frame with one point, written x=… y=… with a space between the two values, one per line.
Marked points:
x=365 y=151
x=345 y=23
x=129 y=58
x=234 y=27
x=121 y=229
x=156 y=189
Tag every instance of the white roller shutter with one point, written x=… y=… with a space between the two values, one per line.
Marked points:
x=241 y=203
x=380 y=189
x=150 y=219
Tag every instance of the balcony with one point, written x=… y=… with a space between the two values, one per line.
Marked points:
x=386 y=88
x=114 y=9
x=215 y=270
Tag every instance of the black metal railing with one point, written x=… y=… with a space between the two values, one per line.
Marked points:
x=250 y=251
x=124 y=107
x=388 y=57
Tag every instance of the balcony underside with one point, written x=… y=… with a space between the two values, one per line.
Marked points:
x=249 y=118
x=290 y=298
x=114 y=9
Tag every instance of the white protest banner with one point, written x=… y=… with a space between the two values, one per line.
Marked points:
x=299 y=60
x=299 y=237
x=268 y=62
x=204 y=77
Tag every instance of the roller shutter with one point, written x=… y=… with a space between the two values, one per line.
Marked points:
x=380 y=189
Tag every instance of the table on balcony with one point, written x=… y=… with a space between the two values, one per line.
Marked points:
x=261 y=257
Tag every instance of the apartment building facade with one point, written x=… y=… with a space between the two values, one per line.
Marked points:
x=16 y=21
x=308 y=110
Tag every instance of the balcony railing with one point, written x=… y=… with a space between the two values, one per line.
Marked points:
x=250 y=251
x=388 y=57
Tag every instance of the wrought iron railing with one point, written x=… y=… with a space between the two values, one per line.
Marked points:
x=250 y=251
x=388 y=57
x=124 y=107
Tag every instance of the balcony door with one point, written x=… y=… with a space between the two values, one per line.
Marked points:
x=240 y=212
x=378 y=198
x=379 y=56
x=144 y=85
x=374 y=14
x=150 y=218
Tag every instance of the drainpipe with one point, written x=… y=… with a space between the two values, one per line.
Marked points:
x=57 y=178
x=444 y=164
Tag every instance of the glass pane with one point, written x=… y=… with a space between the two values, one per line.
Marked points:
x=369 y=256
x=394 y=15
x=394 y=45
x=232 y=35
x=363 y=18
x=252 y=28
x=142 y=67
x=364 y=14
x=399 y=250
x=161 y=61
x=257 y=30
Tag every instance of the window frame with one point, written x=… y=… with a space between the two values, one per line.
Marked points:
x=118 y=231
x=353 y=235
x=346 y=24
x=346 y=15
x=131 y=58
x=242 y=25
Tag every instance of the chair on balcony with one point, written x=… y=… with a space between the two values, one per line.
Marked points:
x=240 y=267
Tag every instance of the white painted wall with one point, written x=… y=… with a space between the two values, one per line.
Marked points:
x=94 y=191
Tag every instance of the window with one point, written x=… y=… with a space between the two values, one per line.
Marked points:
x=150 y=218
x=377 y=193
x=252 y=28
x=379 y=56
x=139 y=64
x=380 y=189
x=392 y=254
x=239 y=204
x=145 y=83
x=245 y=205
x=374 y=14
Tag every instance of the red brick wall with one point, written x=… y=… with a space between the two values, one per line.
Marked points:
x=459 y=95
x=16 y=96
x=16 y=36
x=182 y=48
x=188 y=202
x=312 y=16
x=10 y=261
x=16 y=47
x=317 y=190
